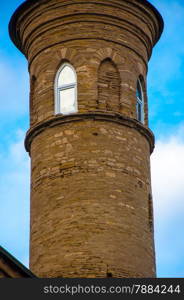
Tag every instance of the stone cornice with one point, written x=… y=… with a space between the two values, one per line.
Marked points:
x=81 y=117
x=30 y=5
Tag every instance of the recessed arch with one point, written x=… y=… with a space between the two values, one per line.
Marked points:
x=150 y=212
x=108 y=86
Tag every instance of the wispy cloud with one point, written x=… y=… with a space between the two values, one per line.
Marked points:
x=14 y=204
x=13 y=87
x=167 y=61
x=165 y=76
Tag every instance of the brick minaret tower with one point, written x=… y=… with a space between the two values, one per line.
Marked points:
x=89 y=141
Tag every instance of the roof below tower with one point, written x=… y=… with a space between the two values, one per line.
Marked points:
x=10 y=267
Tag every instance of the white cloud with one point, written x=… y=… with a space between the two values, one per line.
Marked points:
x=168 y=194
x=168 y=173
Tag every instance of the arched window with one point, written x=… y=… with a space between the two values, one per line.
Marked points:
x=139 y=102
x=66 y=90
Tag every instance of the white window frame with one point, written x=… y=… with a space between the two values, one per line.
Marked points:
x=64 y=87
x=140 y=103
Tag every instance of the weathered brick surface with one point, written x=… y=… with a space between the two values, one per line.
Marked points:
x=90 y=182
x=90 y=201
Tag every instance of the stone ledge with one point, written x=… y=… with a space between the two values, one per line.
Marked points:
x=95 y=116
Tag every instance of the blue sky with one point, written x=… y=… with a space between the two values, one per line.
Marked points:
x=166 y=115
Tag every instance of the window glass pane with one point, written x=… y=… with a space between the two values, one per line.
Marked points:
x=67 y=76
x=139 y=91
x=67 y=101
x=139 y=111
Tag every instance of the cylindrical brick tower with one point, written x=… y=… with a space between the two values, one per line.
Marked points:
x=89 y=141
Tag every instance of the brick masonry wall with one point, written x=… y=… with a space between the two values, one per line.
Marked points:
x=89 y=210
x=91 y=207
